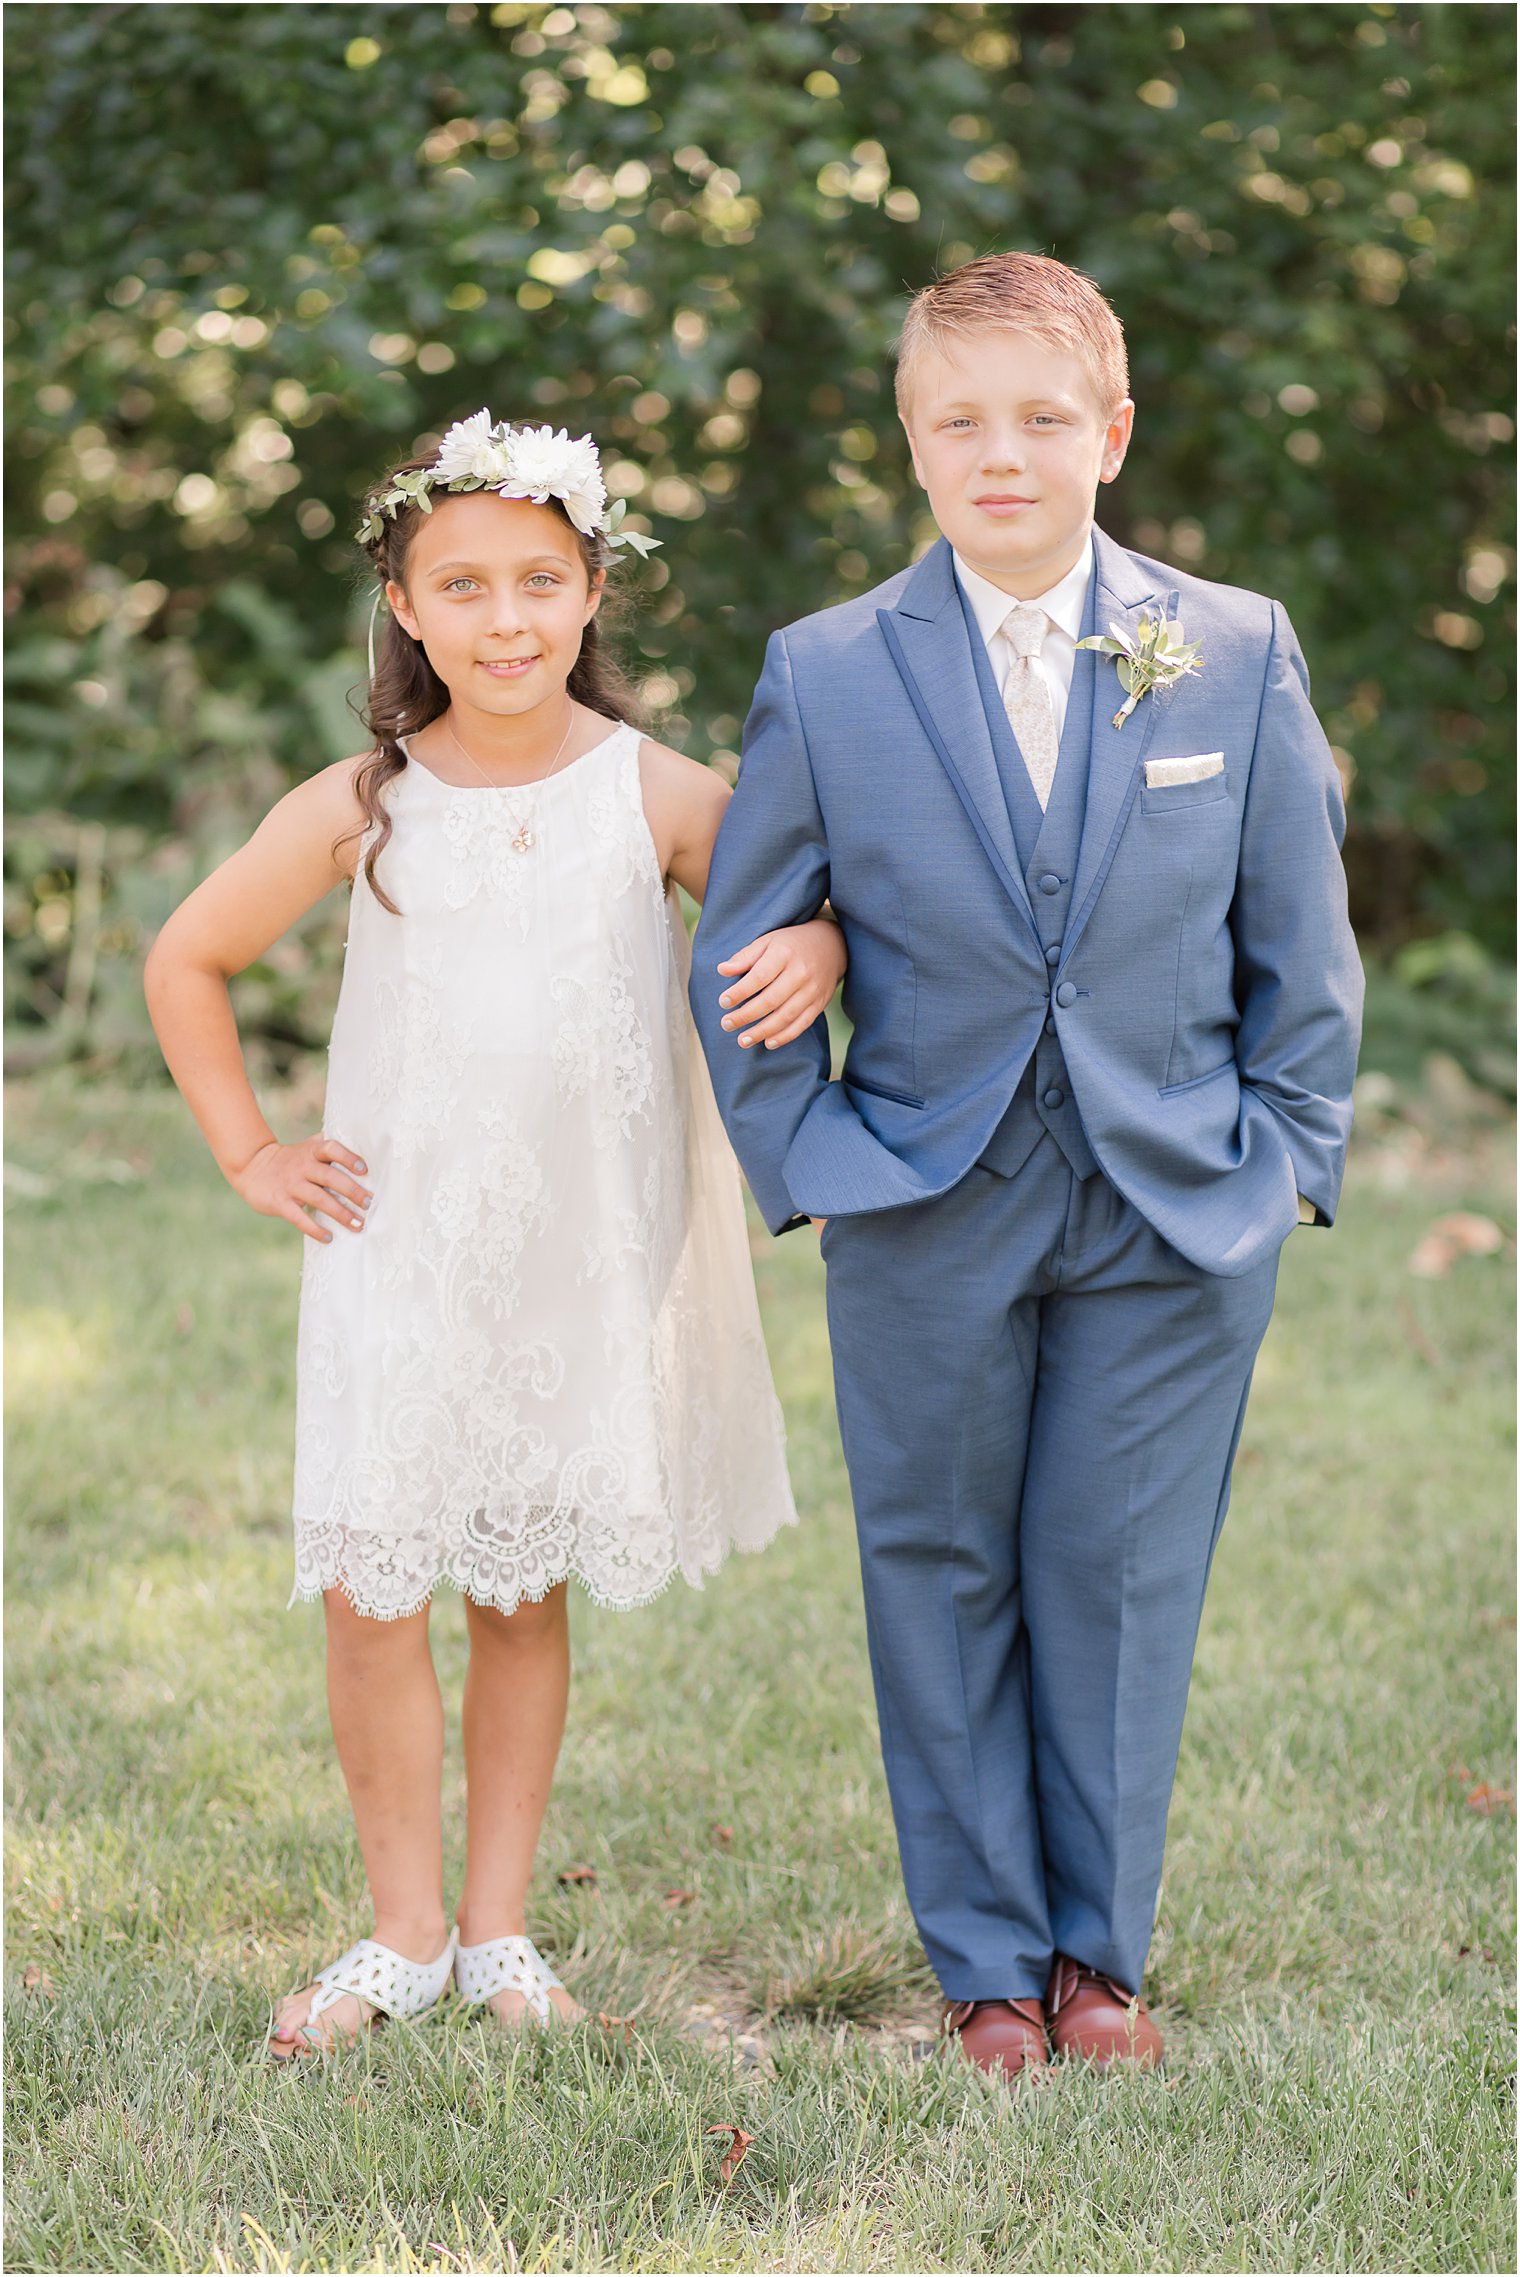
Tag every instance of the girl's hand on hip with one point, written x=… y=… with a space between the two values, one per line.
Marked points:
x=312 y=1176
x=788 y=978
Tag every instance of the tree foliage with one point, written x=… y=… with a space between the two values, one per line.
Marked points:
x=256 y=251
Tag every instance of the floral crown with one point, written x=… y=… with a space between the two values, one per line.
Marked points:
x=515 y=462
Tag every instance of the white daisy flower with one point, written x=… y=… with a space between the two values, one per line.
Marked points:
x=471 y=449
x=546 y=464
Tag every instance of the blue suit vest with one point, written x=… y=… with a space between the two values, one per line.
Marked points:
x=1047 y=848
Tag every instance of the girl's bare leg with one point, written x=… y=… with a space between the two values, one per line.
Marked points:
x=387 y=1719
x=514 y=1718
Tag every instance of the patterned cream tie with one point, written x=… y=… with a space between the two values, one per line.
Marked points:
x=1026 y=697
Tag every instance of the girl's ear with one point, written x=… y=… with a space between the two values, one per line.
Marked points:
x=594 y=596
x=401 y=608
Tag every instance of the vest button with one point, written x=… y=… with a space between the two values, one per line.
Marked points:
x=1050 y=1027
x=1055 y=1096
x=1053 y=955
x=1049 y=883
x=1066 y=993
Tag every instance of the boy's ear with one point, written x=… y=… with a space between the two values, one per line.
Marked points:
x=401 y=609
x=1116 y=441
x=918 y=472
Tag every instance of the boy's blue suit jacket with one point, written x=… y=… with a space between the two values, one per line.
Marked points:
x=1211 y=1024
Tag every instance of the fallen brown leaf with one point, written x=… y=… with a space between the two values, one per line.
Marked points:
x=673 y=1900
x=583 y=1877
x=1461 y=1234
x=35 y=1979
x=1487 y=1799
x=1467 y=1952
x=737 y=2152
x=611 y=2023
x=723 y=1836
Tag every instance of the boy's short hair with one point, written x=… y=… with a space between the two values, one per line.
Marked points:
x=1018 y=292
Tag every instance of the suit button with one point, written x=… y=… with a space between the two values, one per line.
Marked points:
x=1066 y=993
x=1055 y=1096
x=1050 y=883
x=1050 y=1027
x=1053 y=956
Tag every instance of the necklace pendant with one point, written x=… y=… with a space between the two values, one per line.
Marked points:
x=523 y=840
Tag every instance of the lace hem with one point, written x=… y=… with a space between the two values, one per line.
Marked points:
x=328 y=1566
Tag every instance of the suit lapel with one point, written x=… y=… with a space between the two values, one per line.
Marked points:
x=1123 y=590
x=1076 y=733
x=927 y=640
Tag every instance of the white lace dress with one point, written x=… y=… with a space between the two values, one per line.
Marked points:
x=542 y=1356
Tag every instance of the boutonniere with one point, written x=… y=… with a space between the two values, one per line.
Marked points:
x=1156 y=653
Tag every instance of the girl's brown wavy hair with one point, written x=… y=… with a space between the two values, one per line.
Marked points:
x=405 y=692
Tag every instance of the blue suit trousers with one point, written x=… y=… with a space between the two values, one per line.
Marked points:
x=1040 y=1403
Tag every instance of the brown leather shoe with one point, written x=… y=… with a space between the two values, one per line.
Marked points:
x=1093 y=2018
x=1006 y=2036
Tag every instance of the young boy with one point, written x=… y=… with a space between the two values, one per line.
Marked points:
x=1106 y=1007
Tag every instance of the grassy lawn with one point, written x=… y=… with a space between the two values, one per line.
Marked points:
x=1332 y=1963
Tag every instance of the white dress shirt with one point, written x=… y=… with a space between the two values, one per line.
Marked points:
x=1064 y=605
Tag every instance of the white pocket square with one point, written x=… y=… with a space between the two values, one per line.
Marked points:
x=1197 y=769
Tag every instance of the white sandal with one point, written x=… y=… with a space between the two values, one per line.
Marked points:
x=506 y=1964
x=383 y=1979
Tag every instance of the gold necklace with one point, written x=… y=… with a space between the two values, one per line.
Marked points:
x=522 y=837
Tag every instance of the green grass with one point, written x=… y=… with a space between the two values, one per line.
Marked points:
x=1331 y=1965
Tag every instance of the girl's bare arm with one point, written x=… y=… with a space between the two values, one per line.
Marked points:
x=784 y=979
x=229 y=921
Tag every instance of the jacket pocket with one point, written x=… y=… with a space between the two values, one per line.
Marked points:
x=1168 y=798
x=880 y=1090
x=1171 y=1090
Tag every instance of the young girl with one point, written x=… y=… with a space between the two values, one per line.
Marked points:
x=529 y=1342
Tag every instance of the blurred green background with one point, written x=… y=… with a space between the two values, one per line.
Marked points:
x=254 y=252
